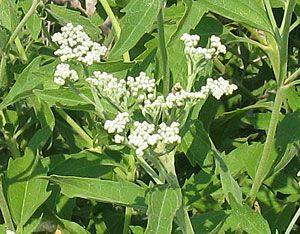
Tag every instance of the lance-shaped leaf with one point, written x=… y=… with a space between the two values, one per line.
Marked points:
x=140 y=15
x=248 y=12
x=25 y=192
x=121 y=193
x=164 y=201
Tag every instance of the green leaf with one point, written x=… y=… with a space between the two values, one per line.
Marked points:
x=64 y=16
x=258 y=120
x=243 y=11
x=121 y=193
x=31 y=77
x=8 y=14
x=33 y=223
x=83 y=164
x=209 y=222
x=4 y=36
x=164 y=201
x=229 y=184
x=194 y=11
x=139 y=17
x=64 y=97
x=195 y=143
x=244 y=218
x=25 y=192
x=111 y=66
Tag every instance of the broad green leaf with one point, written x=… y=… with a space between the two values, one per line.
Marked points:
x=244 y=218
x=64 y=97
x=25 y=192
x=258 y=120
x=8 y=14
x=83 y=164
x=139 y=17
x=243 y=11
x=293 y=98
x=137 y=229
x=121 y=193
x=195 y=143
x=194 y=11
x=31 y=77
x=164 y=201
x=209 y=222
x=64 y=16
x=69 y=227
x=229 y=184
x=33 y=223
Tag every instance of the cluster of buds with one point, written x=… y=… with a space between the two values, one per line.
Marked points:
x=145 y=135
x=118 y=126
x=63 y=73
x=75 y=44
x=141 y=87
x=219 y=87
x=109 y=86
x=198 y=53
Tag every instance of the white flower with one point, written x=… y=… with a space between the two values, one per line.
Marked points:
x=117 y=125
x=63 y=73
x=75 y=44
x=141 y=87
x=219 y=87
x=198 y=53
x=169 y=134
x=109 y=86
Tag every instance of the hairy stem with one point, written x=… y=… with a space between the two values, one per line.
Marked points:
x=115 y=24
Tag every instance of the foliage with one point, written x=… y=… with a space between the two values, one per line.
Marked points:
x=173 y=116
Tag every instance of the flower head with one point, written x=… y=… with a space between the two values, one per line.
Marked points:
x=63 y=73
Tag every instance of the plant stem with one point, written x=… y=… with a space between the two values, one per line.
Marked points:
x=75 y=127
x=127 y=221
x=270 y=14
x=149 y=170
x=293 y=76
x=292 y=223
x=262 y=167
x=20 y=26
x=10 y=139
x=115 y=24
x=5 y=210
x=163 y=51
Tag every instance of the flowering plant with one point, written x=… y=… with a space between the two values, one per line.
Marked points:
x=149 y=116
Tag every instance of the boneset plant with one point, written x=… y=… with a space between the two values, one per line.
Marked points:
x=178 y=116
x=145 y=121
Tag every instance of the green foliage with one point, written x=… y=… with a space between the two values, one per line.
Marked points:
x=234 y=166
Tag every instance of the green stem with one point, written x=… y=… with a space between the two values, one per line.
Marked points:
x=21 y=49
x=115 y=24
x=5 y=210
x=163 y=51
x=264 y=161
x=10 y=139
x=149 y=169
x=293 y=76
x=20 y=26
x=292 y=223
x=270 y=14
x=127 y=221
x=75 y=127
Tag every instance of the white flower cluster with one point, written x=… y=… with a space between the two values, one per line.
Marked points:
x=219 y=87
x=145 y=135
x=118 y=126
x=9 y=232
x=179 y=99
x=197 y=53
x=141 y=87
x=109 y=85
x=75 y=44
x=63 y=73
